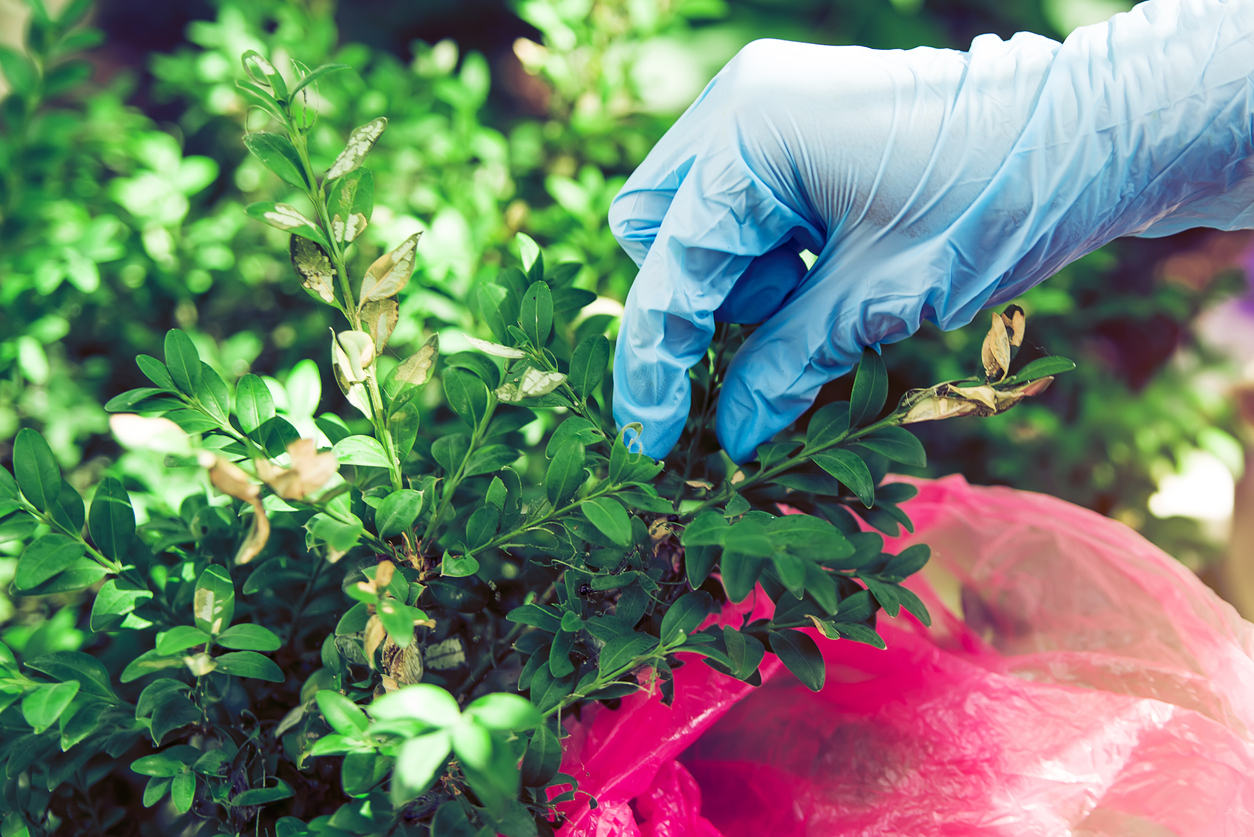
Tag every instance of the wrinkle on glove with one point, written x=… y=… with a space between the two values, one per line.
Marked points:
x=931 y=184
x=1076 y=681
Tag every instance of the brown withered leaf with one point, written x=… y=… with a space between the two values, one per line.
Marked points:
x=995 y=353
x=947 y=401
x=375 y=634
x=379 y=319
x=233 y=481
x=390 y=272
x=1016 y=325
x=314 y=267
x=310 y=470
x=404 y=665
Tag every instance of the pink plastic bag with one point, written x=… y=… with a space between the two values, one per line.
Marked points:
x=1095 y=687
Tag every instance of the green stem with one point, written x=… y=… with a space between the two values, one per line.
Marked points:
x=450 y=487
x=890 y=420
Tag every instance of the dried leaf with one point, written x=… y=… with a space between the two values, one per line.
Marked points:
x=390 y=272
x=404 y=665
x=359 y=144
x=1016 y=324
x=946 y=401
x=383 y=575
x=995 y=352
x=375 y=634
x=495 y=349
x=314 y=267
x=233 y=481
x=200 y=664
x=379 y=318
x=310 y=470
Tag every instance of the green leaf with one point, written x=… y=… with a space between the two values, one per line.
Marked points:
x=504 y=712
x=749 y=537
x=915 y=605
x=559 y=654
x=897 y=444
x=174 y=713
x=8 y=487
x=339 y=536
x=1042 y=367
x=397 y=512
x=707 y=529
x=79 y=722
x=183 y=361
x=565 y=474
x=316 y=75
x=257 y=96
x=542 y=759
x=179 y=639
x=361 y=450
x=112 y=520
x=68 y=510
x=467 y=395
x=398 y=621
x=740 y=574
x=536 y=616
x=248 y=637
x=278 y=155
x=43 y=705
x=588 y=363
x=350 y=203
x=115 y=601
x=609 y=516
x=263 y=72
x=214 y=601
x=491 y=458
x=69 y=666
x=870 y=389
x=620 y=651
x=685 y=615
x=791 y=571
x=849 y=468
x=156 y=693
x=857 y=607
x=458 y=567
x=799 y=653
x=250 y=664
x=807 y=536
x=48 y=556
x=254 y=406
x=36 y=469
x=183 y=791
x=482 y=526
x=473 y=746
x=498 y=308
x=909 y=561
x=155 y=791
x=213 y=395
x=344 y=716
x=421 y=758
x=132 y=400
x=576 y=427
x=147 y=663
x=157 y=765
x=528 y=251
x=261 y=796
x=535 y=315
x=885 y=594
x=698 y=562
x=156 y=372
x=860 y=633
x=744 y=650
x=422 y=702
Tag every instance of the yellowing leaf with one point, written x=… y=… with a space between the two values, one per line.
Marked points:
x=390 y=272
x=347 y=229
x=416 y=369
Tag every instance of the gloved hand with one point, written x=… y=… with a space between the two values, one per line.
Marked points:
x=931 y=184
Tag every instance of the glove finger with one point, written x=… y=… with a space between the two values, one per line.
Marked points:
x=720 y=219
x=815 y=337
x=763 y=287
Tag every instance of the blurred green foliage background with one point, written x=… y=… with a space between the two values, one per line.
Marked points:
x=124 y=181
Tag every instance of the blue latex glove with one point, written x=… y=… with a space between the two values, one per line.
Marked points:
x=931 y=184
